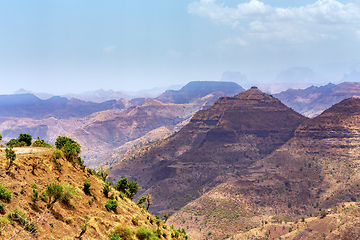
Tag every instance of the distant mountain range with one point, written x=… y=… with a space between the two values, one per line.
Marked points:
x=314 y=100
x=103 y=127
x=29 y=106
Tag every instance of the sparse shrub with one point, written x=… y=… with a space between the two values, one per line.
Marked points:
x=93 y=195
x=41 y=143
x=55 y=192
x=69 y=193
x=135 y=221
x=72 y=206
x=143 y=234
x=111 y=205
x=10 y=155
x=21 y=218
x=290 y=229
x=2 y=208
x=103 y=173
x=87 y=186
x=5 y=194
x=67 y=220
x=57 y=154
x=107 y=189
x=114 y=236
x=124 y=232
x=323 y=213
x=122 y=195
x=80 y=162
x=141 y=201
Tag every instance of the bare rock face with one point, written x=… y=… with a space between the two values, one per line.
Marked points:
x=234 y=133
x=316 y=169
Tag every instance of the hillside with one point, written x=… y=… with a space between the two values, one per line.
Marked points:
x=315 y=169
x=79 y=216
x=217 y=143
x=339 y=222
x=314 y=100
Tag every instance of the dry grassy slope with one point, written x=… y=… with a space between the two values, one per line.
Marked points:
x=317 y=168
x=342 y=222
x=217 y=143
x=63 y=221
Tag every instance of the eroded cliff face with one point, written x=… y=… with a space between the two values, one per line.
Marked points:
x=316 y=169
x=231 y=135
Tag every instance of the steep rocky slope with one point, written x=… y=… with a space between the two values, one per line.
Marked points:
x=316 y=169
x=314 y=100
x=225 y=139
x=83 y=215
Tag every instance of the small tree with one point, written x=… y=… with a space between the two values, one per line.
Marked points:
x=23 y=137
x=166 y=216
x=10 y=155
x=121 y=185
x=70 y=148
x=103 y=172
x=141 y=201
x=0 y=137
x=133 y=189
x=148 y=199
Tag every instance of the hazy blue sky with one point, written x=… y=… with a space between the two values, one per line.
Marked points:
x=63 y=46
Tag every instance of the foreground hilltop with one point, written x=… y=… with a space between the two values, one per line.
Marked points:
x=34 y=206
x=216 y=145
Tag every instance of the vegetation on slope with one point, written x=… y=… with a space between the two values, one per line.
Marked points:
x=48 y=193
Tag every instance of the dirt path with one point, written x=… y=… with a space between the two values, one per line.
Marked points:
x=27 y=150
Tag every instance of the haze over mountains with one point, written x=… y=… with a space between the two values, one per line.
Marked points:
x=241 y=159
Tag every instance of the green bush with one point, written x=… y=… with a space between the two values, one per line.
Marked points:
x=5 y=194
x=57 y=154
x=144 y=234
x=2 y=208
x=55 y=192
x=87 y=186
x=13 y=143
x=69 y=193
x=70 y=148
x=10 y=155
x=26 y=138
x=107 y=189
x=129 y=188
x=114 y=236
x=41 y=143
x=141 y=201
x=111 y=205
x=124 y=232
x=135 y=221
